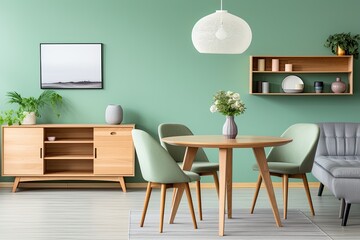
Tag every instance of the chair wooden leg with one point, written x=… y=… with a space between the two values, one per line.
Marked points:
x=285 y=193
x=306 y=186
x=258 y=185
x=216 y=181
x=191 y=207
x=173 y=196
x=176 y=201
x=198 y=194
x=162 y=206
x=146 y=203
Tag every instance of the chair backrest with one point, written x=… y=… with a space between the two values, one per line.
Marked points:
x=156 y=164
x=178 y=152
x=301 y=150
x=339 y=139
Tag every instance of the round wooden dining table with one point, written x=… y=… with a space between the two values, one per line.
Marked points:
x=226 y=146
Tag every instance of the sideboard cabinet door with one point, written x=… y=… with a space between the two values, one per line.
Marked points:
x=23 y=151
x=114 y=151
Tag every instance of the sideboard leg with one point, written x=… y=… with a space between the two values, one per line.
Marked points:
x=122 y=183
x=16 y=184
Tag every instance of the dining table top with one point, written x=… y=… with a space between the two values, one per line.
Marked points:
x=220 y=141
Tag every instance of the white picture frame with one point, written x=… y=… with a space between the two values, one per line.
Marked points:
x=71 y=66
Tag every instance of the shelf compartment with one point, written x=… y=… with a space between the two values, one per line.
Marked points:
x=68 y=166
x=276 y=80
x=68 y=156
x=80 y=140
x=69 y=151
x=71 y=173
x=71 y=135
x=307 y=63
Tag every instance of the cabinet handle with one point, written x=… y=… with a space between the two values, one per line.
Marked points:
x=95 y=152
x=40 y=152
x=113 y=133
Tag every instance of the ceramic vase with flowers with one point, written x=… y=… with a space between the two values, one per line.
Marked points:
x=229 y=104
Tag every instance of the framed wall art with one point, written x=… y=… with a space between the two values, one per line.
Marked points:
x=71 y=66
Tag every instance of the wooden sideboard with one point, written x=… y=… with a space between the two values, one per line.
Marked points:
x=79 y=152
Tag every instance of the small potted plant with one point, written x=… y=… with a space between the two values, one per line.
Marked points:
x=30 y=107
x=343 y=44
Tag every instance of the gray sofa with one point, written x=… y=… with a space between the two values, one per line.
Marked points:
x=337 y=163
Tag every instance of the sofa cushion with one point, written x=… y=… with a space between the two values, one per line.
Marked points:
x=339 y=139
x=340 y=166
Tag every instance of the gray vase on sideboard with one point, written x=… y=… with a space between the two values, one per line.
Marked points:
x=113 y=114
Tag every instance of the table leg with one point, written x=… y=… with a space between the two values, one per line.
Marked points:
x=229 y=182
x=264 y=171
x=189 y=157
x=224 y=163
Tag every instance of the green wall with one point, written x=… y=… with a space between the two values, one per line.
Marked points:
x=152 y=69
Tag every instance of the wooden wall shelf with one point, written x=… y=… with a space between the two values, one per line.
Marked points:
x=308 y=68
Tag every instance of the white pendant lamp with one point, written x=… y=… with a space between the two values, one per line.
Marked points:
x=222 y=33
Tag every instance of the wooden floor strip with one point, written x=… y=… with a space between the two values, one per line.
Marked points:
x=39 y=214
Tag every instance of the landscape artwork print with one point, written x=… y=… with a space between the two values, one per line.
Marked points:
x=71 y=65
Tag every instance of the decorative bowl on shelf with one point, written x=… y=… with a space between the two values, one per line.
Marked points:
x=293 y=90
x=292 y=84
x=51 y=138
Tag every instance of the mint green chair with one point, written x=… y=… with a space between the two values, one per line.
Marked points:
x=292 y=160
x=201 y=164
x=160 y=169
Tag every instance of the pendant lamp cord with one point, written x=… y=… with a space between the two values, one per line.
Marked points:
x=221 y=17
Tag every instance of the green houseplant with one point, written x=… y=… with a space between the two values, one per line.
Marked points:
x=31 y=107
x=343 y=43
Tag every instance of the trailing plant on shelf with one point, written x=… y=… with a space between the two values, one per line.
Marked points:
x=11 y=117
x=343 y=43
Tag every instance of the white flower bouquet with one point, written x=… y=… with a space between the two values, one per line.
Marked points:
x=227 y=103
